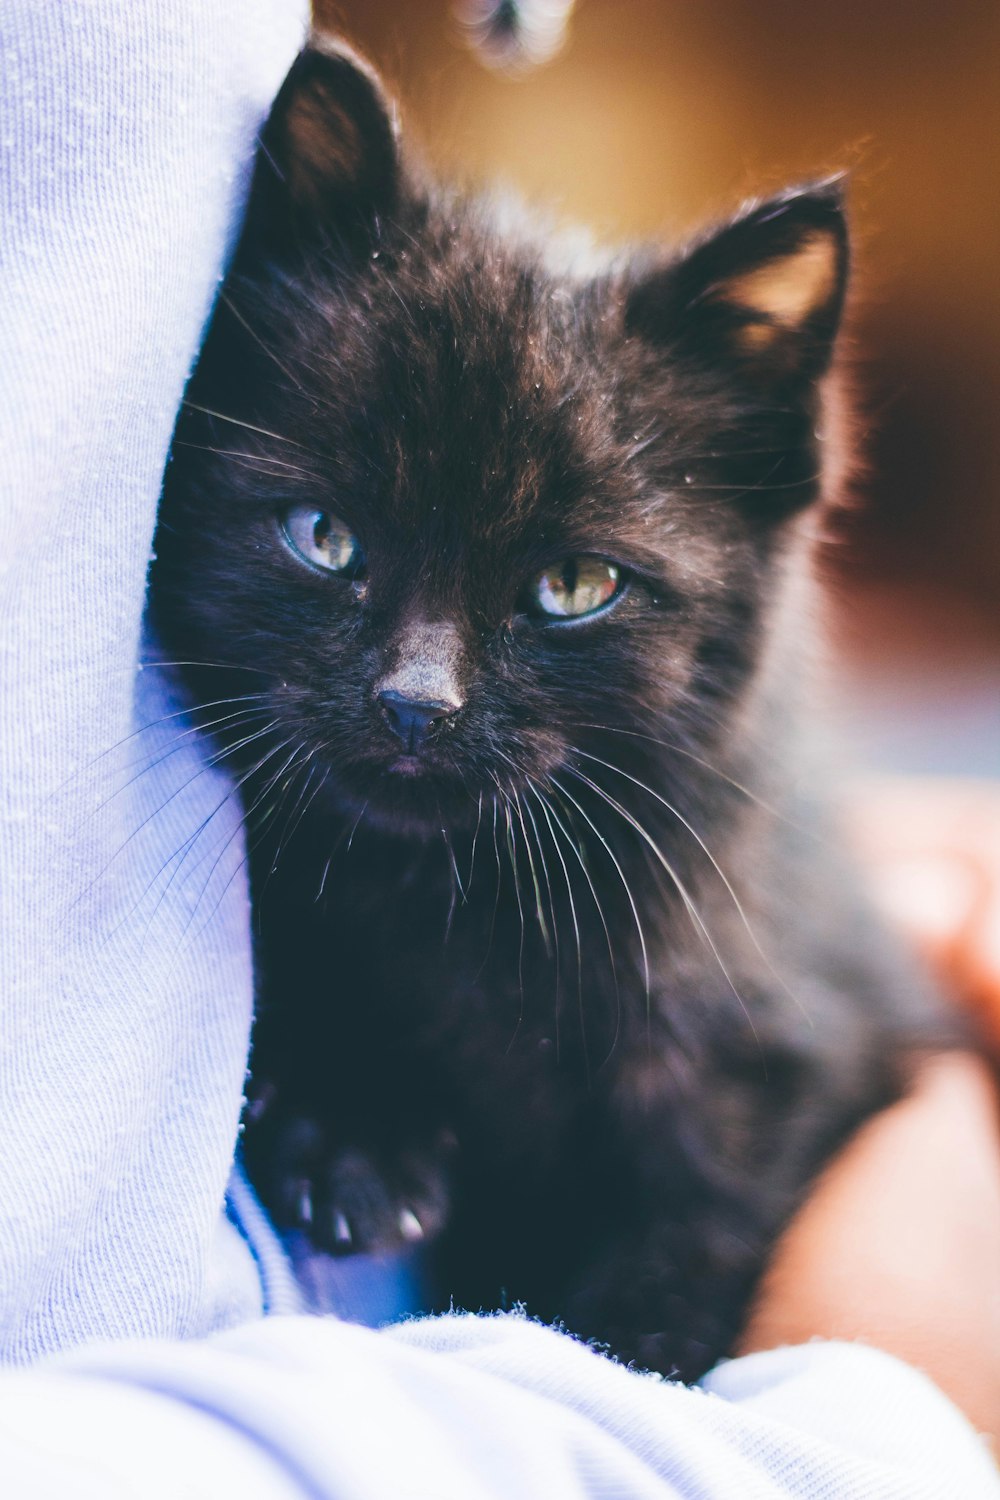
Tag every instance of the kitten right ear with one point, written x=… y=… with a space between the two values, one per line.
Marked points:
x=329 y=156
x=762 y=296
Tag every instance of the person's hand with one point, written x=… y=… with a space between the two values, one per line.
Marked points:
x=898 y=1244
x=933 y=851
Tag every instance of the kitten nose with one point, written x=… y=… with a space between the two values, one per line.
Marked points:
x=412 y=721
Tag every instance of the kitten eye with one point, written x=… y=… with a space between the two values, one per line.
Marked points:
x=324 y=540
x=579 y=586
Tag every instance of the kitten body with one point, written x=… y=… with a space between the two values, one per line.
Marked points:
x=558 y=967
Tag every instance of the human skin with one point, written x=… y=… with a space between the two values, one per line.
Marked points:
x=933 y=847
x=898 y=1245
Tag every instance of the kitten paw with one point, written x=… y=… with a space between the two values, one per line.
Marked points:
x=352 y=1199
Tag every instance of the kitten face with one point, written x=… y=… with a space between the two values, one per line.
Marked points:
x=456 y=508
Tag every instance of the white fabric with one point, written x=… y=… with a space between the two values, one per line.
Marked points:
x=126 y=131
x=464 y=1408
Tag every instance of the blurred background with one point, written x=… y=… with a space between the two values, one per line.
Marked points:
x=652 y=116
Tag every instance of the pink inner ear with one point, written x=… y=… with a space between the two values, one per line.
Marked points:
x=784 y=293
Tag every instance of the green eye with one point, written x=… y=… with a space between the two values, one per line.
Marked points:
x=579 y=586
x=323 y=540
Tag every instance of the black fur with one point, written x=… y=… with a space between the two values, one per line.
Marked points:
x=459 y=1032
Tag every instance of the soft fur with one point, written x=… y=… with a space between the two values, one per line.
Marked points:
x=582 y=991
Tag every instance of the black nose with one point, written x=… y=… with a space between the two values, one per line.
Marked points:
x=412 y=721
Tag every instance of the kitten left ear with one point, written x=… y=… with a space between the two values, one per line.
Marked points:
x=764 y=294
x=329 y=155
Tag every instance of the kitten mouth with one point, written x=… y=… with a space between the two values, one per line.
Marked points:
x=407 y=794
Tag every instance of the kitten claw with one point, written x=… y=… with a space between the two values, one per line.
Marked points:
x=305 y=1206
x=342 y=1235
x=410 y=1226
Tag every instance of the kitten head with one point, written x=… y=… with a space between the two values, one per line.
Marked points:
x=460 y=509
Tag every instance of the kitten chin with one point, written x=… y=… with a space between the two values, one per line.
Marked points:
x=404 y=802
x=558 y=963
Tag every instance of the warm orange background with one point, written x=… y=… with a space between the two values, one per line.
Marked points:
x=659 y=114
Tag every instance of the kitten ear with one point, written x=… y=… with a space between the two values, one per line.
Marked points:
x=764 y=294
x=329 y=156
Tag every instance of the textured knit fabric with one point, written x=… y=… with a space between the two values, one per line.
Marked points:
x=126 y=133
x=126 y=130
x=465 y=1408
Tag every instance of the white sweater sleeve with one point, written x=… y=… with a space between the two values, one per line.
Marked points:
x=474 y=1408
x=127 y=131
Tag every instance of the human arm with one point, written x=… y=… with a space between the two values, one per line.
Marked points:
x=899 y=1242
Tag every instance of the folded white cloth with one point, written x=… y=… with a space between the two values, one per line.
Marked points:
x=474 y=1408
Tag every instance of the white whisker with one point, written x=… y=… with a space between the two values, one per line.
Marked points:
x=576 y=933
x=680 y=887
x=600 y=912
x=621 y=875
x=712 y=860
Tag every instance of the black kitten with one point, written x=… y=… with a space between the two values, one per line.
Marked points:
x=555 y=963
